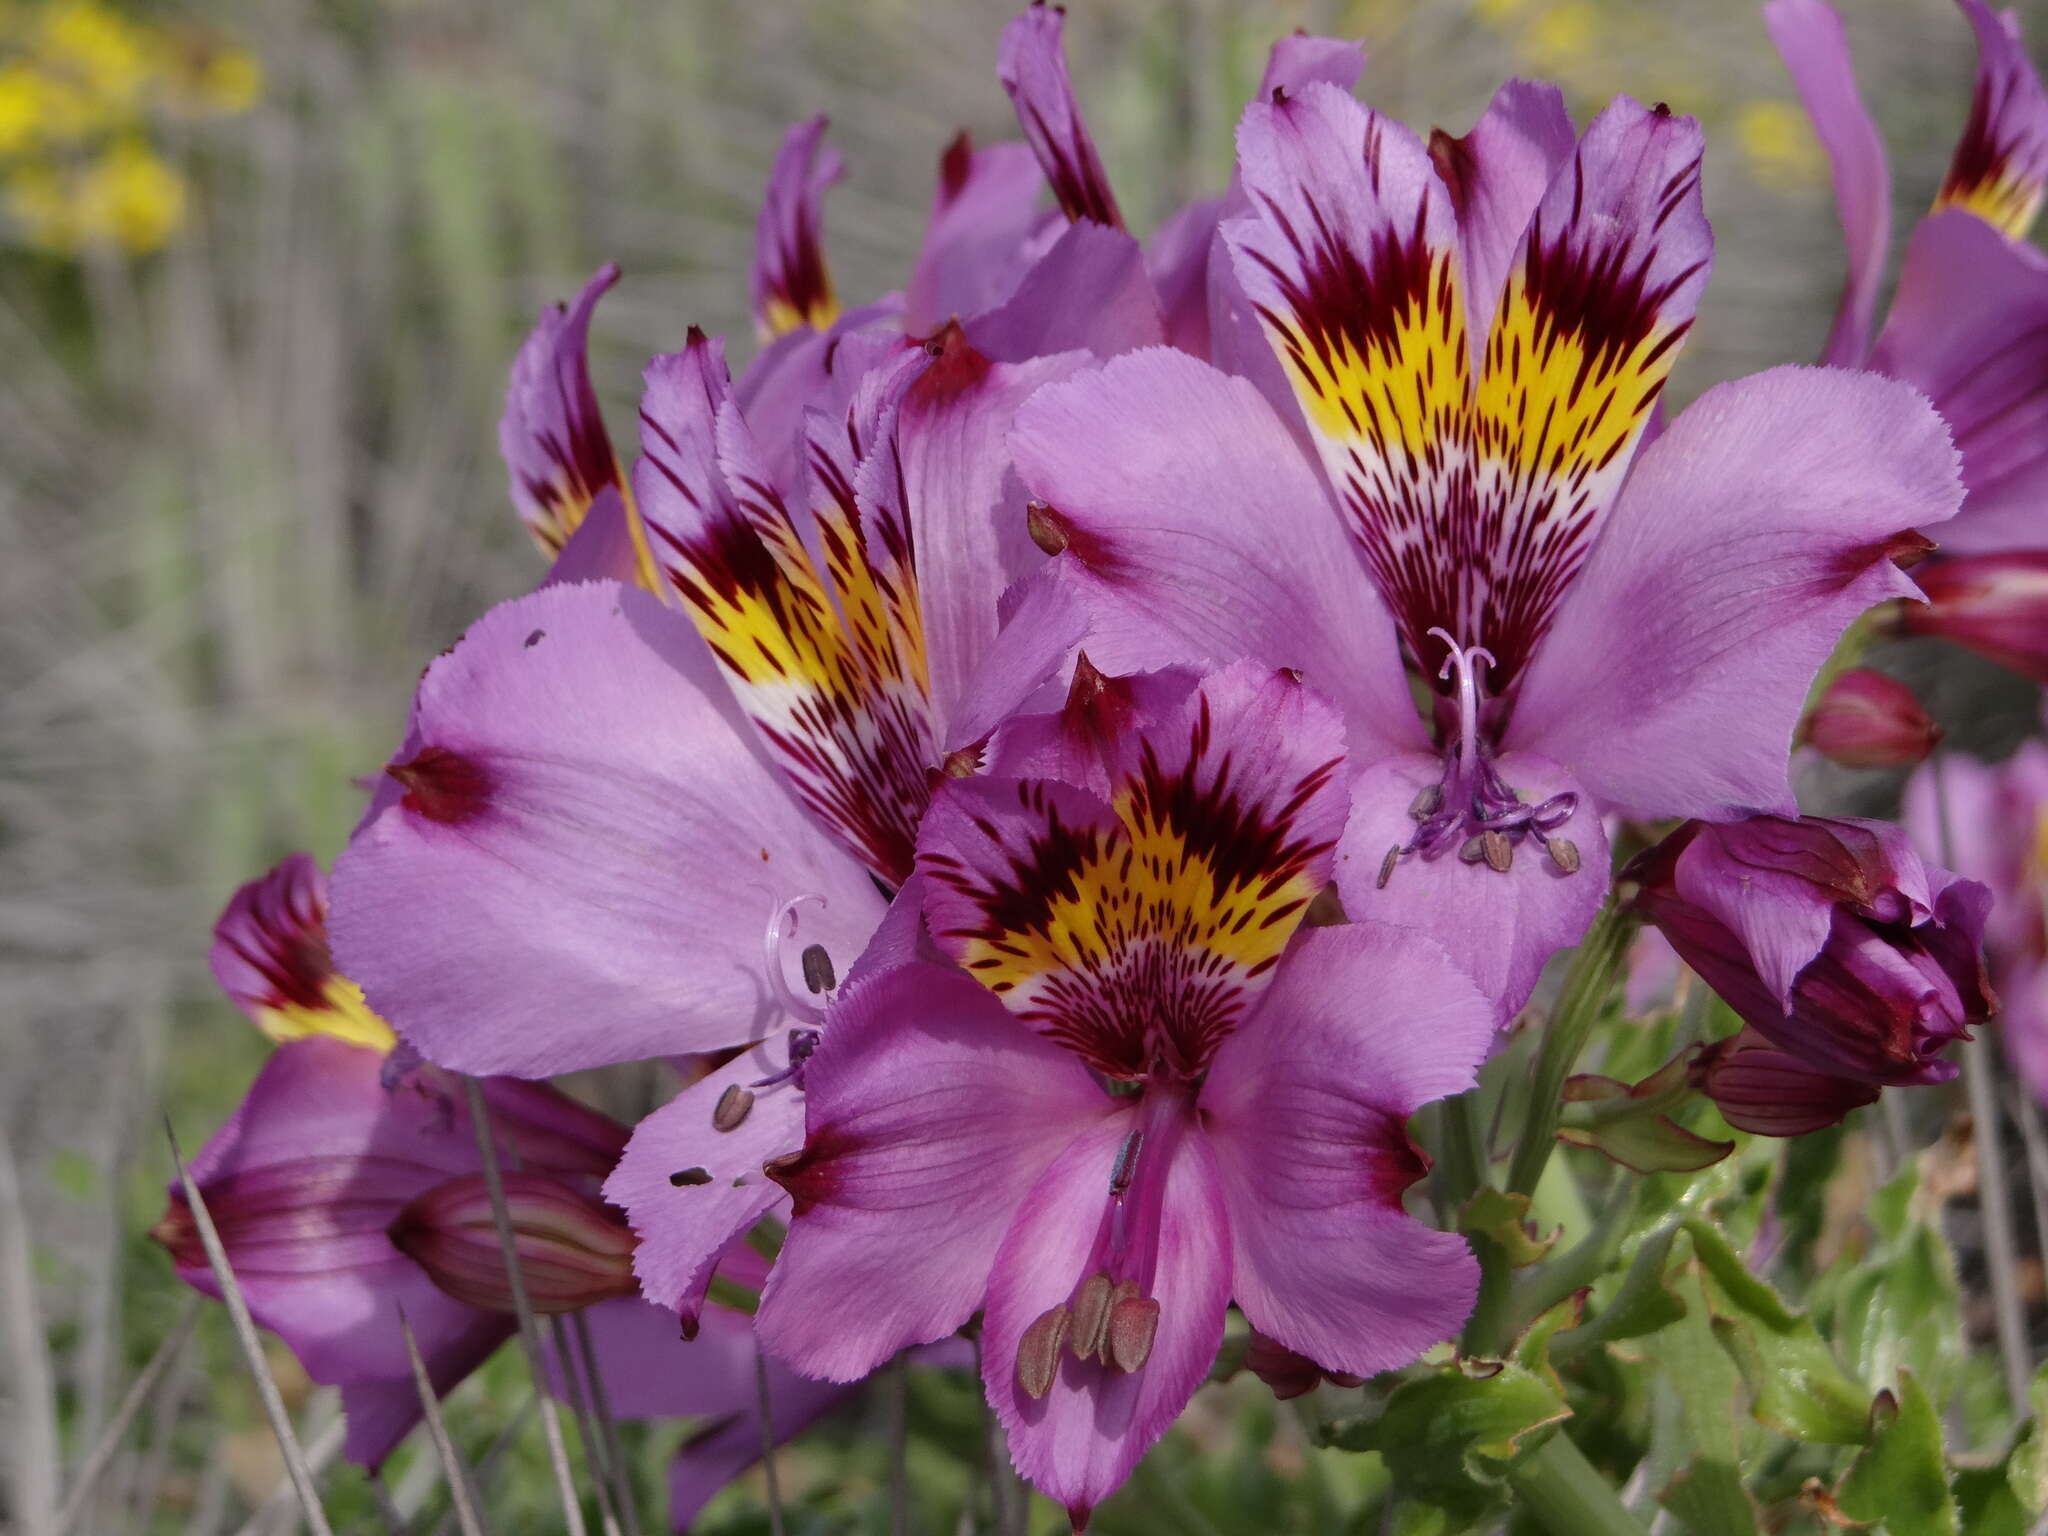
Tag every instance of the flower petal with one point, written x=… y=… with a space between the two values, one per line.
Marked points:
x=1033 y=68
x=929 y=1114
x=1196 y=532
x=1497 y=175
x=602 y=548
x=1748 y=537
x=791 y=285
x=601 y=873
x=2001 y=162
x=976 y=241
x=270 y=956
x=1079 y=1441
x=1143 y=926
x=1810 y=39
x=1307 y=1110
x=552 y=434
x=690 y=1188
x=1501 y=927
x=1091 y=291
x=1969 y=328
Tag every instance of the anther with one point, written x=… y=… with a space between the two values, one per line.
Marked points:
x=1387 y=867
x=1474 y=848
x=818 y=975
x=1427 y=802
x=733 y=1107
x=782 y=926
x=1498 y=852
x=1126 y=1166
x=1045 y=528
x=1091 y=1315
x=690 y=1177
x=1133 y=1324
x=1564 y=853
x=1038 y=1351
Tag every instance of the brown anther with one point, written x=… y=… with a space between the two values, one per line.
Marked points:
x=1133 y=1324
x=1038 y=1351
x=689 y=1177
x=962 y=762
x=1427 y=802
x=1473 y=848
x=1387 y=868
x=1325 y=910
x=1045 y=527
x=733 y=1107
x=1564 y=853
x=1498 y=852
x=1091 y=1315
x=818 y=974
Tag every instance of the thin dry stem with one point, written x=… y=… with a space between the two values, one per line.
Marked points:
x=460 y=1495
x=95 y=1465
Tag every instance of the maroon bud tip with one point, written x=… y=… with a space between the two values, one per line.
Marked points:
x=1038 y=1351
x=178 y=1234
x=1866 y=719
x=695 y=337
x=442 y=786
x=956 y=368
x=1133 y=1325
x=954 y=165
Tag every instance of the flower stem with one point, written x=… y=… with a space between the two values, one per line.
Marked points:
x=1567 y=1494
x=1586 y=986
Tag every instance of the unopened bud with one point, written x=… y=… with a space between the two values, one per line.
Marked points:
x=1997 y=605
x=573 y=1250
x=1038 y=1351
x=1869 y=720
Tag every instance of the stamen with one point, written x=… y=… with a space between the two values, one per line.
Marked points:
x=1091 y=1315
x=1498 y=851
x=1133 y=1325
x=780 y=927
x=1474 y=849
x=690 y=1177
x=732 y=1108
x=1564 y=853
x=802 y=1042
x=1038 y=1351
x=1126 y=1166
x=1427 y=802
x=818 y=975
x=1387 y=867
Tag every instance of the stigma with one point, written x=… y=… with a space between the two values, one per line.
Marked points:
x=1471 y=808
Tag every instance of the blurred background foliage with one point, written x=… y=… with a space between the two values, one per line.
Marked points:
x=262 y=266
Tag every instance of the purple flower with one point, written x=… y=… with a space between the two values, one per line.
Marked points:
x=574 y=1251
x=1867 y=719
x=1830 y=939
x=1131 y=1100
x=1969 y=319
x=1474 y=335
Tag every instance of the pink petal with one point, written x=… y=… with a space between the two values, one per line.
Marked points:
x=984 y=217
x=607 y=896
x=1307 y=1110
x=929 y=1114
x=1747 y=539
x=791 y=286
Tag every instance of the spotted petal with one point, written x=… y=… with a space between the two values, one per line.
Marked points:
x=2001 y=162
x=552 y=434
x=1139 y=929
x=270 y=955
x=791 y=285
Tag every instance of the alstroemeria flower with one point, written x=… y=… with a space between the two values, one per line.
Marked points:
x=1969 y=319
x=1138 y=1096
x=1477 y=334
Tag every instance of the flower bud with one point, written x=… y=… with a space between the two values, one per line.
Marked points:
x=1996 y=605
x=1768 y=1092
x=1287 y=1373
x=1828 y=937
x=573 y=1250
x=1869 y=720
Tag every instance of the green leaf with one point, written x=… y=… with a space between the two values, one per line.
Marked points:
x=2028 y=1469
x=1647 y=1144
x=1447 y=1439
x=1797 y=1385
x=1504 y=1217
x=1697 y=1447
x=1902 y=1478
x=1643 y=1304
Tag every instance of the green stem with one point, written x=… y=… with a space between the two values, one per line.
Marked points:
x=1586 y=986
x=1464 y=1150
x=1567 y=1494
